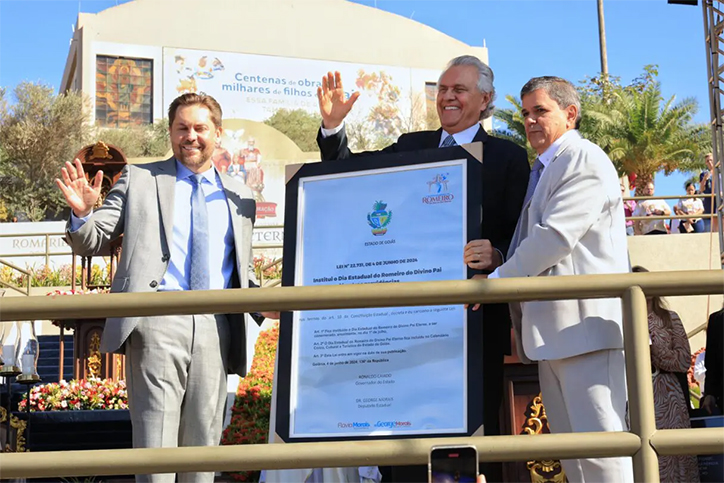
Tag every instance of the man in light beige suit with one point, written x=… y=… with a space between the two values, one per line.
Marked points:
x=572 y=223
x=185 y=226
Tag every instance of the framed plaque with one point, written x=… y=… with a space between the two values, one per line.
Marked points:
x=380 y=372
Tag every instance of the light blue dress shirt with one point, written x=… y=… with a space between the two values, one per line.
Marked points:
x=221 y=234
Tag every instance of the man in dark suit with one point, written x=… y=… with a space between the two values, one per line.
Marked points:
x=465 y=97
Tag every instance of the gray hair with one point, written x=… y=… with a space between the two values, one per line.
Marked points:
x=485 y=79
x=560 y=90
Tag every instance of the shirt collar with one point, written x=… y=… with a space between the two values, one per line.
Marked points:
x=552 y=150
x=182 y=172
x=463 y=137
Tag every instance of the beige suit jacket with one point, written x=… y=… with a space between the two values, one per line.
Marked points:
x=573 y=225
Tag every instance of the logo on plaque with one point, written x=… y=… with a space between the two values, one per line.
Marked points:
x=438 y=185
x=379 y=218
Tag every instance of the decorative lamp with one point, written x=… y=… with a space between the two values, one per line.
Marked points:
x=10 y=367
x=27 y=352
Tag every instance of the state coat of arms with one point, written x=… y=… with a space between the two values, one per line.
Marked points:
x=379 y=218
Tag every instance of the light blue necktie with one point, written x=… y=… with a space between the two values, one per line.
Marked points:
x=199 y=273
x=535 y=173
x=449 y=141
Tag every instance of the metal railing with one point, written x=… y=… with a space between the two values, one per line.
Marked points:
x=672 y=216
x=26 y=273
x=713 y=16
x=47 y=253
x=643 y=442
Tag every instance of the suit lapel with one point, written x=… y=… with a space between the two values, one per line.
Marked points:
x=521 y=230
x=165 y=189
x=481 y=136
x=432 y=141
x=242 y=257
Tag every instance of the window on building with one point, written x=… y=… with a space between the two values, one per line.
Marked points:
x=124 y=91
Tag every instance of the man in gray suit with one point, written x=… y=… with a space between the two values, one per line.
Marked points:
x=572 y=223
x=185 y=226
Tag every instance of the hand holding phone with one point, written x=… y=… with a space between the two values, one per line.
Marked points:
x=453 y=464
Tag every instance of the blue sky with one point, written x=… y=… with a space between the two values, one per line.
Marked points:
x=525 y=38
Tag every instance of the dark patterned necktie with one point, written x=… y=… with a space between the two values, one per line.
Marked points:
x=199 y=272
x=449 y=141
x=535 y=173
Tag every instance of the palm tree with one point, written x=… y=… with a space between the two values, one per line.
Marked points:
x=643 y=134
x=515 y=131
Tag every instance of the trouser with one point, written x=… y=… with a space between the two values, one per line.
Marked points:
x=176 y=378
x=588 y=393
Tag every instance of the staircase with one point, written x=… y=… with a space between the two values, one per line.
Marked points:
x=48 y=361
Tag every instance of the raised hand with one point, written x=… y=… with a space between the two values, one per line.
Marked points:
x=80 y=195
x=332 y=105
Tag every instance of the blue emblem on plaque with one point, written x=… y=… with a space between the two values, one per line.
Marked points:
x=379 y=218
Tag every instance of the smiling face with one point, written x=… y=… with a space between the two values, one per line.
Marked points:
x=194 y=136
x=545 y=120
x=459 y=101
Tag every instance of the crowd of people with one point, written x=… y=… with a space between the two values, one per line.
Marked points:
x=687 y=208
x=188 y=225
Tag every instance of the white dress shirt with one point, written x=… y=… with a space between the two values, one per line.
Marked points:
x=462 y=137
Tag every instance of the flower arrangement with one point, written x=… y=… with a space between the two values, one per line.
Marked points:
x=273 y=272
x=45 y=276
x=77 y=395
x=250 y=414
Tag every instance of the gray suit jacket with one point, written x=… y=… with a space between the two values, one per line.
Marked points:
x=573 y=225
x=140 y=206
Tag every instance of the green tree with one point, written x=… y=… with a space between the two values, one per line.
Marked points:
x=298 y=125
x=38 y=133
x=643 y=133
x=138 y=141
x=515 y=131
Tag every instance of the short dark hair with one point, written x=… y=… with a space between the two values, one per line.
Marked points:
x=193 y=99
x=558 y=89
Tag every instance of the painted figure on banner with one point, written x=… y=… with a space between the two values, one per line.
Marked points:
x=251 y=157
x=221 y=157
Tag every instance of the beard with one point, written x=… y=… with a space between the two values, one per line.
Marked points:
x=193 y=159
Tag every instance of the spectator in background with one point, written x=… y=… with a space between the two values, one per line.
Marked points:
x=651 y=208
x=706 y=183
x=628 y=206
x=712 y=401
x=690 y=206
x=670 y=357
